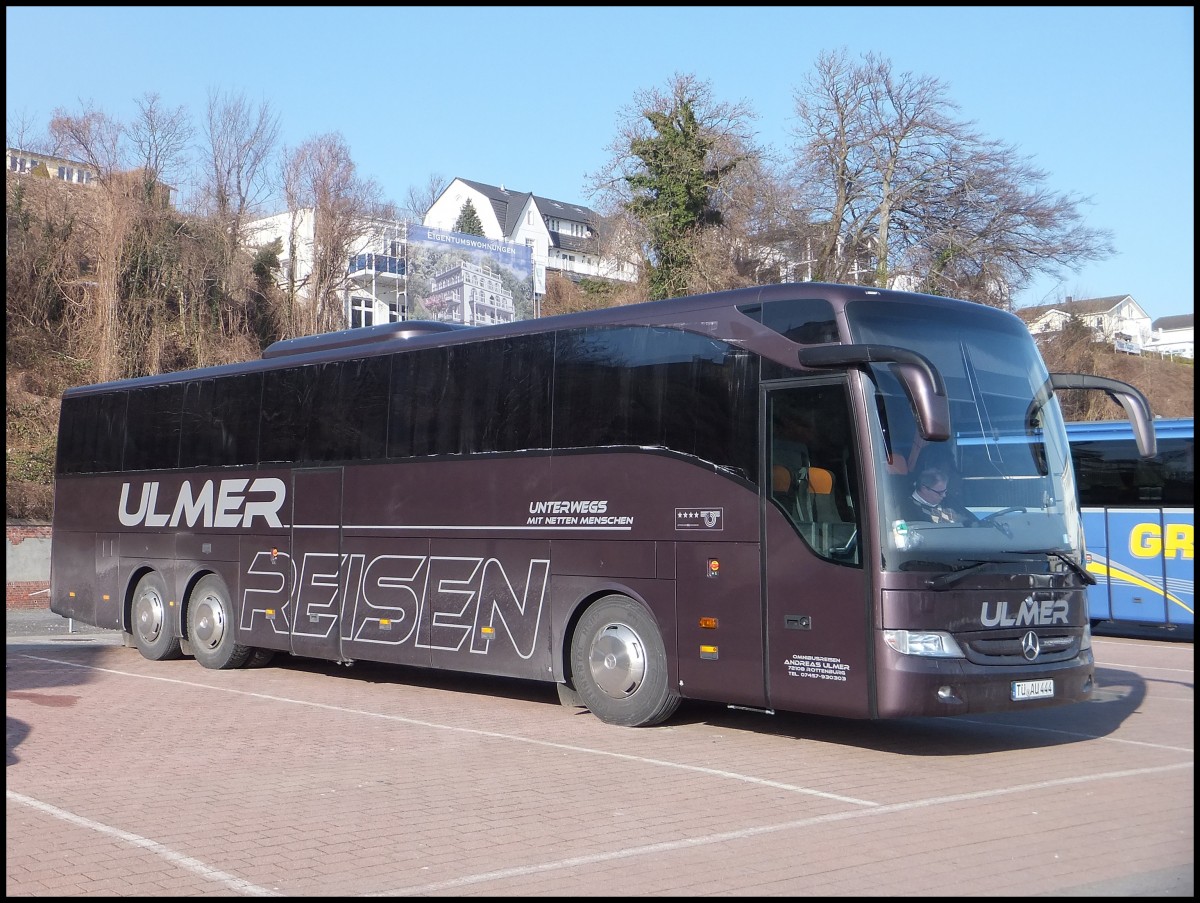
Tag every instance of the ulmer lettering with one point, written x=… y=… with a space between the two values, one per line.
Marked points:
x=1031 y=613
x=217 y=504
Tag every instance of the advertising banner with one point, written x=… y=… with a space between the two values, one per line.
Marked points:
x=460 y=278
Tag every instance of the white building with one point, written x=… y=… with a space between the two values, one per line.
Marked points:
x=562 y=237
x=30 y=163
x=1118 y=319
x=374 y=290
x=1174 y=336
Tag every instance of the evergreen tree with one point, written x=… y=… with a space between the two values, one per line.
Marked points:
x=672 y=193
x=468 y=221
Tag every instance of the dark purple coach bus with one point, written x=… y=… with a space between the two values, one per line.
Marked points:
x=699 y=498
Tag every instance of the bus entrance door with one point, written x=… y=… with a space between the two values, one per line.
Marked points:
x=316 y=561
x=816 y=609
x=817 y=628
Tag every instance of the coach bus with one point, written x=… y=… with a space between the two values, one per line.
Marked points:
x=697 y=498
x=1139 y=522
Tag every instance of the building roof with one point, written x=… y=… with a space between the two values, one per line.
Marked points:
x=574 y=212
x=508 y=204
x=1178 y=321
x=1079 y=308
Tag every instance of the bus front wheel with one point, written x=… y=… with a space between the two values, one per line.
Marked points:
x=619 y=664
x=211 y=627
x=150 y=620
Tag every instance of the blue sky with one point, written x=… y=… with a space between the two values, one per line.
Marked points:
x=1102 y=99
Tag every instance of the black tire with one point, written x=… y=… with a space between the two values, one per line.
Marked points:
x=260 y=658
x=212 y=627
x=150 y=620
x=619 y=664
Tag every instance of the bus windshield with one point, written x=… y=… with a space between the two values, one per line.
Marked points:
x=1002 y=485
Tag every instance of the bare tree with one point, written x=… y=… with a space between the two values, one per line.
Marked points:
x=150 y=284
x=90 y=137
x=93 y=138
x=240 y=141
x=759 y=215
x=996 y=228
x=320 y=176
x=902 y=192
x=421 y=197
x=23 y=133
x=867 y=143
x=235 y=182
x=160 y=140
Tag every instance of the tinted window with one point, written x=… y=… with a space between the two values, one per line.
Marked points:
x=91 y=433
x=656 y=387
x=502 y=389
x=354 y=398
x=418 y=395
x=809 y=321
x=491 y=396
x=220 y=421
x=289 y=397
x=152 y=428
x=1112 y=473
x=323 y=413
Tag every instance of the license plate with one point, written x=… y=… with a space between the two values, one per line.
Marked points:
x=1032 y=689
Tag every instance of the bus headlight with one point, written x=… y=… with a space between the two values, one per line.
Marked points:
x=1086 y=641
x=932 y=643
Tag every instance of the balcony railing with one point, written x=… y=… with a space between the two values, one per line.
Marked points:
x=375 y=264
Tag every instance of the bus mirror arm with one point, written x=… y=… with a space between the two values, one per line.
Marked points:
x=921 y=379
x=1137 y=407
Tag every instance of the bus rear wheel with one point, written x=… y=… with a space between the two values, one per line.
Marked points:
x=211 y=626
x=150 y=620
x=619 y=664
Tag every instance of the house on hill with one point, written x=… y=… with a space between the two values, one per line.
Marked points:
x=29 y=164
x=562 y=237
x=1118 y=319
x=379 y=284
x=1174 y=336
x=47 y=166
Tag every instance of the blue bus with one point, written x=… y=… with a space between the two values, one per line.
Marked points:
x=1139 y=522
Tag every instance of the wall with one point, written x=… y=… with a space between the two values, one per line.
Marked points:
x=27 y=564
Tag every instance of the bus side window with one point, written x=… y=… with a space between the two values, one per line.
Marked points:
x=811 y=466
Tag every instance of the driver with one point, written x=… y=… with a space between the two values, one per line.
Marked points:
x=928 y=501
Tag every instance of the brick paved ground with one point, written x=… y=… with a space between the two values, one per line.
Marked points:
x=129 y=777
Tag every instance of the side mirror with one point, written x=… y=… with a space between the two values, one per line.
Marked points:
x=1137 y=407
x=922 y=382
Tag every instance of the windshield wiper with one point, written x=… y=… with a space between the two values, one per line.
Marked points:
x=1080 y=571
x=945 y=581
